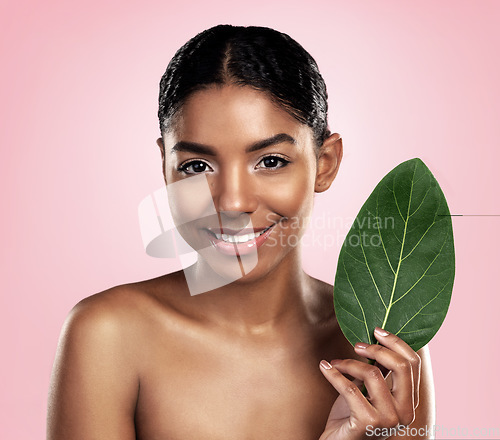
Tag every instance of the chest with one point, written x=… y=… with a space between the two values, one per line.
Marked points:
x=233 y=391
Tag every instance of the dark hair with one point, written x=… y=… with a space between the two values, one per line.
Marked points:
x=259 y=57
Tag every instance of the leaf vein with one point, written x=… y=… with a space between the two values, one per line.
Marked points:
x=418 y=242
x=357 y=299
x=382 y=240
x=400 y=252
x=428 y=267
x=421 y=308
x=396 y=200
x=423 y=199
x=347 y=311
x=369 y=270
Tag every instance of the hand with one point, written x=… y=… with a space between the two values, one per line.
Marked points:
x=353 y=416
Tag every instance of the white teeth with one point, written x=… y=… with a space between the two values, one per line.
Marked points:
x=238 y=238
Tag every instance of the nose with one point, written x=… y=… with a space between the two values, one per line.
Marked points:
x=234 y=192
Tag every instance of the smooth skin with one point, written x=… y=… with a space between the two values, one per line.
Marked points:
x=147 y=360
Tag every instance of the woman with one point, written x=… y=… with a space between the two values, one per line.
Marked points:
x=242 y=111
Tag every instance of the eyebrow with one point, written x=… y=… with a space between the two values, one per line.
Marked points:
x=193 y=147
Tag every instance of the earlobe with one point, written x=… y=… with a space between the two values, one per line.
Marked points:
x=329 y=159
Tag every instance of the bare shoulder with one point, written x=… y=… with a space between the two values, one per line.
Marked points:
x=116 y=320
x=119 y=323
x=124 y=305
x=97 y=370
x=425 y=414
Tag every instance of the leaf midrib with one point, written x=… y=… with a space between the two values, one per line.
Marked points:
x=402 y=246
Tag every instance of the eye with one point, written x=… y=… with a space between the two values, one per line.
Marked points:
x=273 y=162
x=194 y=167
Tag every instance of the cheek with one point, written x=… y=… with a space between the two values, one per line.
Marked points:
x=291 y=195
x=190 y=200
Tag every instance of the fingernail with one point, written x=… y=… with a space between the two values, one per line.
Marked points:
x=326 y=365
x=361 y=345
x=381 y=331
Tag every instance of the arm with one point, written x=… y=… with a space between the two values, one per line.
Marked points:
x=407 y=398
x=94 y=382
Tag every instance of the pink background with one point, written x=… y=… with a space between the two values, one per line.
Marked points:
x=79 y=84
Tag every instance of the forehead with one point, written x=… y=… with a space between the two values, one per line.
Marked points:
x=233 y=114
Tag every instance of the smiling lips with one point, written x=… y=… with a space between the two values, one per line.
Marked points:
x=242 y=242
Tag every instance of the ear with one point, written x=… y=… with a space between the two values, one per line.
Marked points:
x=329 y=158
x=160 y=143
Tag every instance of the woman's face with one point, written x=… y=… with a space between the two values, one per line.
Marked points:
x=258 y=166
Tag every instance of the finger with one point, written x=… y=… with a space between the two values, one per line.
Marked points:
x=399 y=346
x=402 y=377
x=380 y=395
x=358 y=405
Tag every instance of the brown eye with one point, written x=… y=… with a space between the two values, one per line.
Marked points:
x=273 y=162
x=194 y=167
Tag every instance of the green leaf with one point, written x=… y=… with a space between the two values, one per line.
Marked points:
x=397 y=264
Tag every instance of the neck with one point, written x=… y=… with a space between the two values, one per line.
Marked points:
x=258 y=305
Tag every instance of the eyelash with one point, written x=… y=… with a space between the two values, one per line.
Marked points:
x=184 y=167
x=284 y=162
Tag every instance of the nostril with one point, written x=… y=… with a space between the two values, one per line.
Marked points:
x=235 y=206
x=236 y=220
x=232 y=214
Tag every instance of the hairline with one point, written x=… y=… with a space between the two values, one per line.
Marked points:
x=169 y=126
